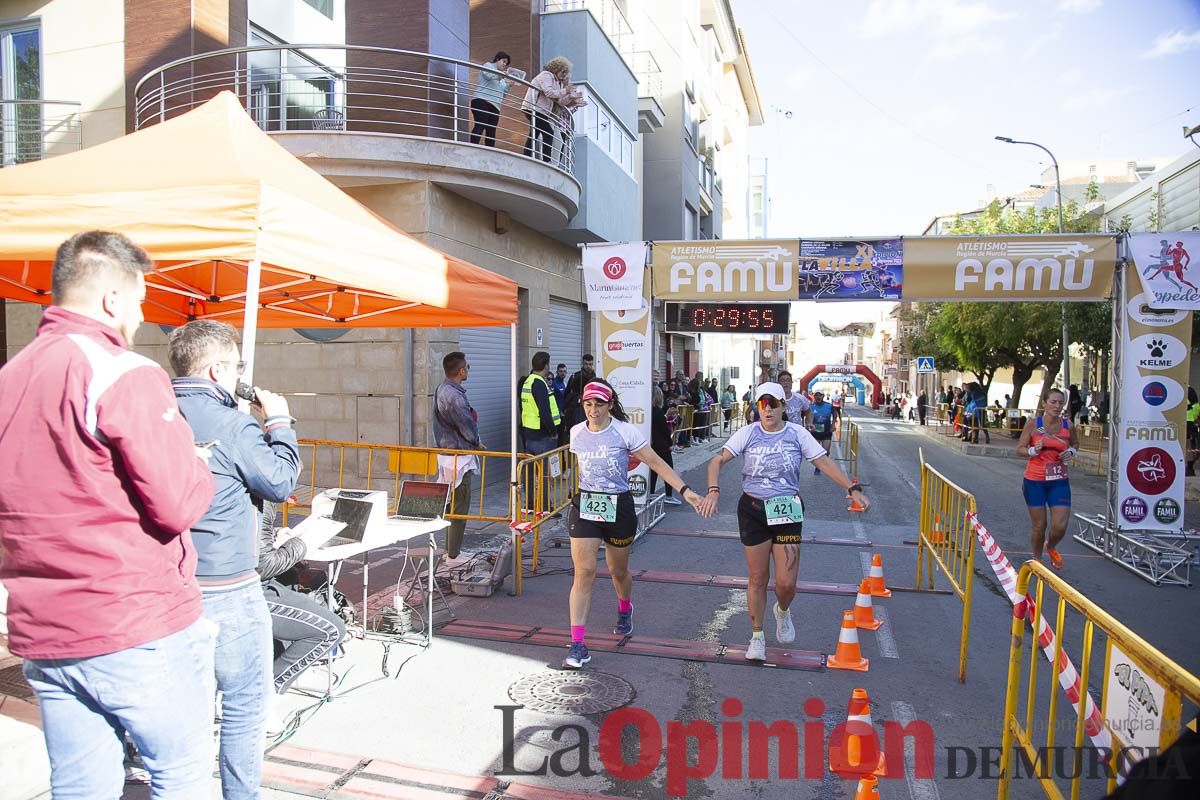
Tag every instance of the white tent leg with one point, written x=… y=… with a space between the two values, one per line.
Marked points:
x=250 y=323
x=512 y=464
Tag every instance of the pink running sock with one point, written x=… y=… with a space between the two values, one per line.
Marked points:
x=577 y=633
x=624 y=606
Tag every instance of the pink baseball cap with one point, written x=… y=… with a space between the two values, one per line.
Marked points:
x=597 y=391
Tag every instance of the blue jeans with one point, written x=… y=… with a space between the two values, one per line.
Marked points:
x=160 y=693
x=243 y=669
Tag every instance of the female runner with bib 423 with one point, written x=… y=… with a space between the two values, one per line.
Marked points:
x=603 y=509
x=770 y=511
x=1050 y=443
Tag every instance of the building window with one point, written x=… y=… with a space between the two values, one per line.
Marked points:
x=600 y=125
x=290 y=91
x=20 y=79
x=324 y=6
x=691 y=222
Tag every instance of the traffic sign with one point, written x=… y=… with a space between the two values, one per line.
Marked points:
x=925 y=364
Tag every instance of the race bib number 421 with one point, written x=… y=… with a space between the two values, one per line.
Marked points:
x=597 y=507
x=784 y=510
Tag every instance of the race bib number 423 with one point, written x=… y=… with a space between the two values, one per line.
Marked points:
x=596 y=507
x=784 y=510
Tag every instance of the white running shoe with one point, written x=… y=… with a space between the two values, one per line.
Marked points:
x=785 y=631
x=757 y=649
x=672 y=500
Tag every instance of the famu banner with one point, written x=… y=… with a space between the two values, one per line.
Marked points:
x=623 y=341
x=1155 y=350
x=1066 y=267
x=722 y=269
x=851 y=269
x=1163 y=260
x=613 y=275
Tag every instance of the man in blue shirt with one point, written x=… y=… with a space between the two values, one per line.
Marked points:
x=822 y=424
x=558 y=384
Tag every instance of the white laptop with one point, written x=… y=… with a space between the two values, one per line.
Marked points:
x=342 y=517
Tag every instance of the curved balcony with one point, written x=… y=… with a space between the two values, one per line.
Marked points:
x=371 y=115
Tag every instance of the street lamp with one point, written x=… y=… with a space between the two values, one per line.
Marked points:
x=1066 y=343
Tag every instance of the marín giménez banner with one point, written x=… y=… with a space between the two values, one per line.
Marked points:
x=851 y=269
x=1164 y=260
x=613 y=275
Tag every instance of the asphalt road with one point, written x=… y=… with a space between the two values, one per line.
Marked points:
x=440 y=710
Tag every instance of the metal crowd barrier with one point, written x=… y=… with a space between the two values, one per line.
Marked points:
x=1134 y=675
x=1092 y=439
x=545 y=485
x=846 y=434
x=947 y=539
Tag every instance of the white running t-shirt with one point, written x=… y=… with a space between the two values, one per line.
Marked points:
x=772 y=461
x=604 y=457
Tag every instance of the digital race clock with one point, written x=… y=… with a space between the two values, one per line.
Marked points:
x=764 y=318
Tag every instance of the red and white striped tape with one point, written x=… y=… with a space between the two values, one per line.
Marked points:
x=1068 y=676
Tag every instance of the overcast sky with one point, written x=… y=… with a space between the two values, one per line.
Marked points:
x=894 y=103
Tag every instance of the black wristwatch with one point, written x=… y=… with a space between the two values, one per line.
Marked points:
x=683 y=490
x=854 y=487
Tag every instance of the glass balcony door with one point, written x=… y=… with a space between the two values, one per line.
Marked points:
x=20 y=80
x=289 y=91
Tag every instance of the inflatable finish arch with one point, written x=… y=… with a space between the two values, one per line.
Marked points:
x=848 y=369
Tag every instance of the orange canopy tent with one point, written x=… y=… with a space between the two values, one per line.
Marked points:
x=208 y=195
x=230 y=216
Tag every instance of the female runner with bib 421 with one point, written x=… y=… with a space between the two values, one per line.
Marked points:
x=1050 y=442
x=770 y=510
x=603 y=509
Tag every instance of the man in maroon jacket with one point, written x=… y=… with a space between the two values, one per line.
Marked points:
x=103 y=480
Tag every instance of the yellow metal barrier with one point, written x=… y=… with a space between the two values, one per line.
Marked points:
x=356 y=465
x=846 y=434
x=1092 y=439
x=948 y=540
x=545 y=485
x=1129 y=661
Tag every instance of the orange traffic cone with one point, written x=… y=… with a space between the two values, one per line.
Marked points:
x=864 y=609
x=855 y=504
x=938 y=534
x=878 y=587
x=848 y=656
x=847 y=754
x=868 y=788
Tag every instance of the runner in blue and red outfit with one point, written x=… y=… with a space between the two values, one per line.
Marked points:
x=603 y=510
x=770 y=510
x=1050 y=442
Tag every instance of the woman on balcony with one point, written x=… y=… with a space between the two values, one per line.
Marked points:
x=489 y=94
x=549 y=87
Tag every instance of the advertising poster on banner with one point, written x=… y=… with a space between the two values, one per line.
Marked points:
x=613 y=275
x=1133 y=701
x=624 y=344
x=1164 y=262
x=727 y=269
x=1071 y=267
x=1153 y=427
x=851 y=269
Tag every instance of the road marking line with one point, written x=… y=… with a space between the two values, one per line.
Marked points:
x=918 y=788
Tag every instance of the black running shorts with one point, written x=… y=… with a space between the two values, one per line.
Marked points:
x=753 y=527
x=615 y=534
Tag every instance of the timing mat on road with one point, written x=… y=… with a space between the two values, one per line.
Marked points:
x=729 y=581
x=841 y=541
x=682 y=649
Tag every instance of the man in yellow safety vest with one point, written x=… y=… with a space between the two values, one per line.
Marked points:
x=540 y=417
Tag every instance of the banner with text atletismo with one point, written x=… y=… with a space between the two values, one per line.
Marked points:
x=726 y=269
x=1066 y=267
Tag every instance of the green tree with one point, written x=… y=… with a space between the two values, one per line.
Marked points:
x=1023 y=335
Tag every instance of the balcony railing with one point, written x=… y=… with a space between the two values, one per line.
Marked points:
x=609 y=16
x=31 y=130
x=349 y=89
x=648 y=73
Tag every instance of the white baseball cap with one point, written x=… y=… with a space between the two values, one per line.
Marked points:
x=769 y=388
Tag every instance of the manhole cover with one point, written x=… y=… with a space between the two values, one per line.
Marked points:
x=12 y=683
x=583 y=692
